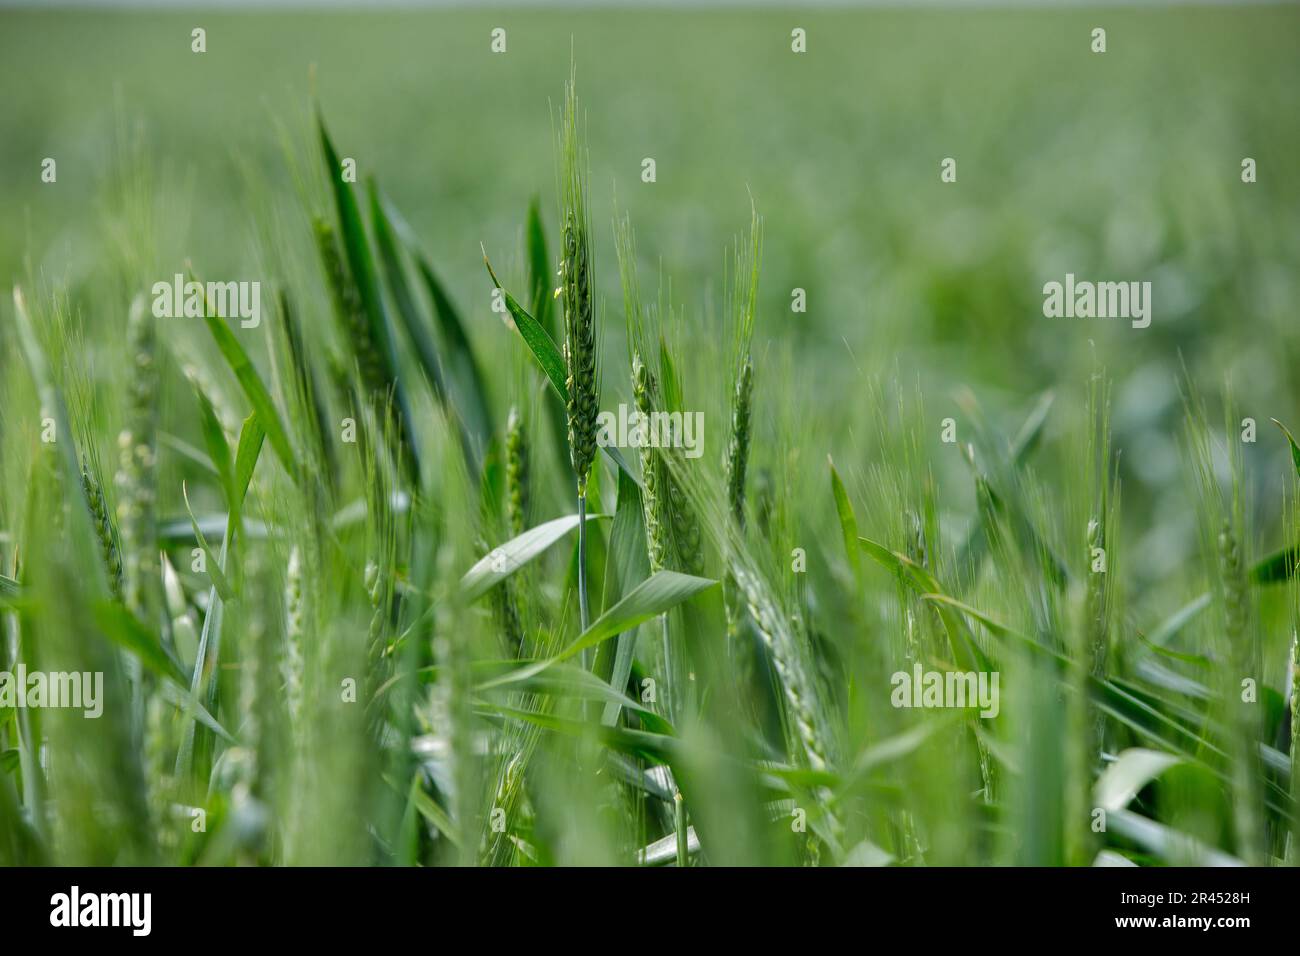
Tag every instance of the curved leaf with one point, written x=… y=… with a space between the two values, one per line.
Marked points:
x=504 y=560
x=1132 y=770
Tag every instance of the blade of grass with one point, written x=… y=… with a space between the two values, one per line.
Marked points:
x=505 y=559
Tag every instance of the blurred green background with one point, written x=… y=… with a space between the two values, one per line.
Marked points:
x=1120 y=166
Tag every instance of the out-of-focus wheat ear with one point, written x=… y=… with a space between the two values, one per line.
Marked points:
x=517 y=473
x=102 y=520
x=293 y=666
x=735 y=465
x=737 y=461
x=643 y=395
x=687 y=535
x=1237 y=634
x=349 y=311
x=136 y=475
x=744 y=305
x=158 y=778
x=258 y=689
x=1294 y=702
x=506 y=599
x=1095 y=604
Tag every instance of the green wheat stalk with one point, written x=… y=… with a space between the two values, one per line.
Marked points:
x=580 y=359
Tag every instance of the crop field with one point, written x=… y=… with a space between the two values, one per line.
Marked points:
x=649 y=437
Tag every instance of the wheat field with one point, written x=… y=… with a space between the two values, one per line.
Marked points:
x=641 y=437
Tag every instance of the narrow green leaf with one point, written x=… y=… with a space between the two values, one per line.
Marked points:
x=966 y=651
x=395 y=275
x=539 y=342
x=246 y=455
x=462 y=378
x=649 y=599
x=1031 y=431
x=658 y=748
x=125 y=630
x=540 y=269
x=52 y=402
x=1120 y=782
x=848 y=521
x=1170 y=845
x=660 y=593
x=361 y=265
x=254 y=390
x=214 y=572
x=569 y=680
x=547 y=354
x=1179 y=619
x=627 y=549
x=214 y=437
x=356 y=249
x=670 y=383
x=505 y=559
x=1277 y=567
x=1295 y=449
x=473 y=389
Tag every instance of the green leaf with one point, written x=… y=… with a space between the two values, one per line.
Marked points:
x=966 y=652
x=249 y=449
x=214 y=437
x=246 y=455
x=670 y=383
x=254 y=390
x=661 y=592
x=658 y=748
x=627 y=550
x=51 y=399
x=1295 y=449
x=461 y=374
x=505 y=559
x=848 y=521
x=649 y=599
x=1132 y=770
x=407 y=310
x=540 y=269
x=428 y=808
x=1277 y=568
x=1031 y=431
x=539 y=342
x=471 y=386
x=547 y=354
x=361 y=265
x=356 y=250
x=125 y=630
x=974 y=545
x=214 y=572
x=569 y=680
x=1170 y=845
x=9 y=590
x=1178 y=620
